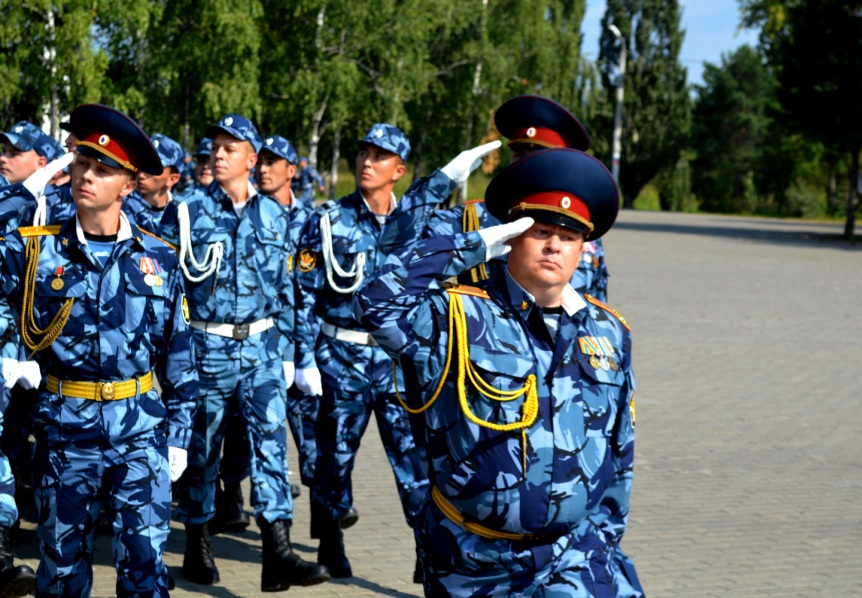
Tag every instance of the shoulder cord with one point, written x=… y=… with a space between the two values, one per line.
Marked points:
x=28 y=325
x=470 y=223
x=357 y=272
x=41 y=213
x=458 y=328
x=212 y=258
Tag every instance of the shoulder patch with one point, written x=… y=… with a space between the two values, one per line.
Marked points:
x=39 y=231
x=307 y=260
x=148 y=233
x=608 y=309
x=462 y=289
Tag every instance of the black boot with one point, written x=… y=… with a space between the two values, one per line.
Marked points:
x=282 y=567
x=295 y=490
x=417 y=572
x=349 y=519
x=14 y=581
x=198 y=564
x=229 y=516
x=331 y=552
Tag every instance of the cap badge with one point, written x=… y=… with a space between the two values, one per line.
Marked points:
x=103 y=140
x=566 y=202
x=269 y=140
x=19 y=129
x=156 y=143
x=378 y=133
x=228 y=121
x=531 y=132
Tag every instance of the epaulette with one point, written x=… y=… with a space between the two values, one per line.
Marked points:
x=146 y=232
x=463 y=289
x=328 y=205
x=39 y=231
x=472 y=201
x=609 y=309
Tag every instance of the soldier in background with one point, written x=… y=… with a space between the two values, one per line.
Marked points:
x=306 y=182
x=147 y=203
x=523 y=389
x=234 y=246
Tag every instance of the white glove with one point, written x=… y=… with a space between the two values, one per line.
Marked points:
x=37 y=181
x=288 y=372
x=178 y=460
x=10 y=372
x=308 y=381
x=495 y=237
x=29 y=374
x=467 y=161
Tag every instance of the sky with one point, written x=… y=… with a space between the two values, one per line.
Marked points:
x=711 y=29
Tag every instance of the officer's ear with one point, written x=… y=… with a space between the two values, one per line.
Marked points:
x=174 y=178
x=399 y=170
x=41 y=161
x=130 y=185
x=291 y=170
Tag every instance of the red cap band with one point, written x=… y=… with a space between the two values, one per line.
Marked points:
x=104 y=144
x=539 y=136
x=559 y=202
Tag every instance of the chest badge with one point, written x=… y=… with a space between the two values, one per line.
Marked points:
x=307 y=260
x=152 y=272
x=601 y=352
x=57 y=284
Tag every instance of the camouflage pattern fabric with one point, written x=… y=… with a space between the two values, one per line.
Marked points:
x=564 y=478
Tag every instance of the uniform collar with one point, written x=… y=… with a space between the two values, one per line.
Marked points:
x=123 y=234
x=523 y=302
x=393 y=203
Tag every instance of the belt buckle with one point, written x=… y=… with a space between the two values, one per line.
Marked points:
x=240 y=332
x=107 y=391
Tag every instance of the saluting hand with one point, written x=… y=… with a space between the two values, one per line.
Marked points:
x=495 y=237
x=467 y=161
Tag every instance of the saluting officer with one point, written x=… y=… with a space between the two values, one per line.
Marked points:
x=100 y=306
x=523 y=388
x=530 y=123
x=234 y=246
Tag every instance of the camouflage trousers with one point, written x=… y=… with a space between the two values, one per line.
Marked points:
x=301 y=418
x=357 y=380
x=456 y=562
x=246 y=378
x=119 y=447
x=8 y=507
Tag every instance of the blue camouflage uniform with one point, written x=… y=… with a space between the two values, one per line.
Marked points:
x=252 y=287
x=8 y=506
x=204 y=150
x=119 y=328
x=529 y=433
x=306 y=183
x=301 y=409
x=356 y=374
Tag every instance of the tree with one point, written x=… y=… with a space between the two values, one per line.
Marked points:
x=815 y=49
x=729 y=128
x=657 y=107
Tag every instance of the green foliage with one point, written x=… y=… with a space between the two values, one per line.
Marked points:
x=657 y=107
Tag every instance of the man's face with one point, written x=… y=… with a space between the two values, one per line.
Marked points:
x=16 y=165
x=232 y=159
x=377 y=168
x=203 y=170
x=150 y=184
x=96 y=186
x=70 y=142
x=545 y=256
x=273 y=173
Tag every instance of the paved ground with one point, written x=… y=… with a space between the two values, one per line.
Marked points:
x=748 y=347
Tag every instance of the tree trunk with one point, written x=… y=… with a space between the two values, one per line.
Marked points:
x=54 y=112
x=831 y=195
x=336 y=158
x=852 y=197
x=316 y=119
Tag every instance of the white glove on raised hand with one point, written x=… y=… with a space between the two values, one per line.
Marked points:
x=308 y=381
x=10 y=372
x=178 y=460
x=467 y=161
x=37 y=181
x=495 y=237
x=29 y=374
x=289 y=371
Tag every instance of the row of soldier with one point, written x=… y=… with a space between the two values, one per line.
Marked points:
x=241 y=299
